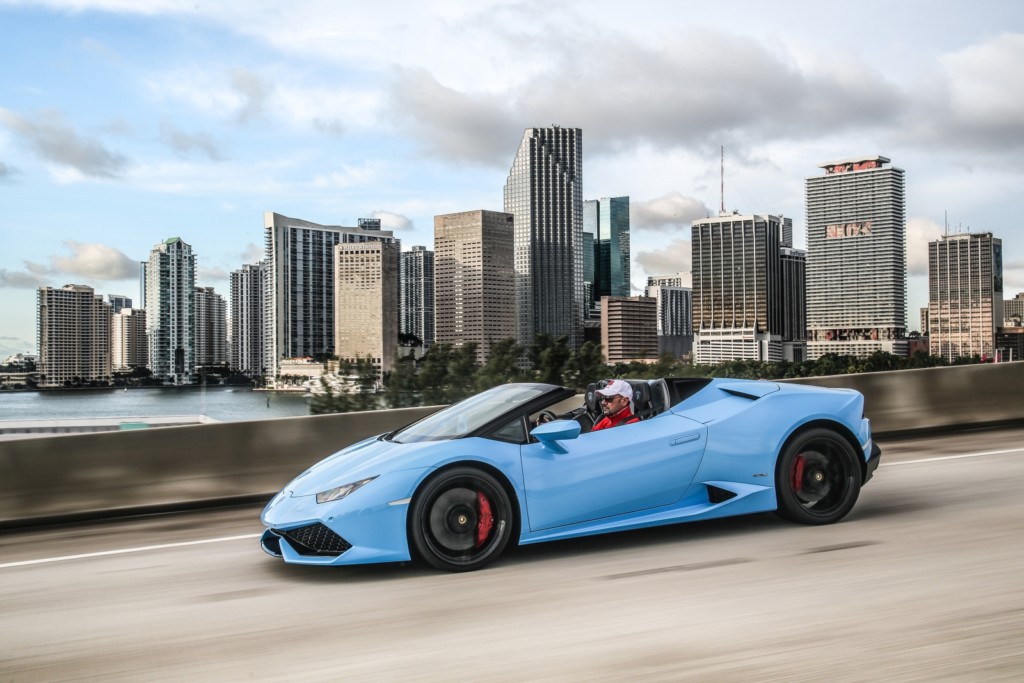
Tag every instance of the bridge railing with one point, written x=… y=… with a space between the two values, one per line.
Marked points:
x=82 y=475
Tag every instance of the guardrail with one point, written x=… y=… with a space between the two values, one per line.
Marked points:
x=90 y=475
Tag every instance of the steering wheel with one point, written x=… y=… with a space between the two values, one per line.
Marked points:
x=546 y=416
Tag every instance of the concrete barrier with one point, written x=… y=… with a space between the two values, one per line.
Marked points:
x=114 y=473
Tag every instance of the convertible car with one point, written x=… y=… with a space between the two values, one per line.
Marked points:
x=519 y=464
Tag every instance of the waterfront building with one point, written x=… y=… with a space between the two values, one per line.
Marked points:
x=416 y=299
x=73 y=336
x=544 y=194
x=211 y=328
x=299 y=299
x=924 y=321
x=143 y=265
x=675 y=312
x=474 y=284
x=118 y=301
x=739 y=298
x=965 y=294
x=246 y=290
x=629 y=329
x=366 y=303
x=608 y=220
x=856 y=259
x=591 y=303
x=171 y=310
x=129 y=346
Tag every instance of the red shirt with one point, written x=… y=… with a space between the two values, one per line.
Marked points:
x=623 y=417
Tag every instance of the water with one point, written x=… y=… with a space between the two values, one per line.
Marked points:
x=226 y=404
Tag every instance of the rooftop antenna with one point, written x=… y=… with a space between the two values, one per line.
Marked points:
x=722 y=188
x=945 y=220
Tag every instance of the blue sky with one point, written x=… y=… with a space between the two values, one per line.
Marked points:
x=125 y=123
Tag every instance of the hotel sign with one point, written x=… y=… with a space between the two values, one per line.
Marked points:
x=847 y=230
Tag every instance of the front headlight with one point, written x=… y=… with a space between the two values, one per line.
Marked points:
x=341 y=491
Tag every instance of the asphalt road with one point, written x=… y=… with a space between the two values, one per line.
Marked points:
x=923 y=581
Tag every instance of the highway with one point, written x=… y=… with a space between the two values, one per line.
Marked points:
x=923 y=581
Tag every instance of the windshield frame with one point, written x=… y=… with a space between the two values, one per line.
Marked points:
x=485 y=411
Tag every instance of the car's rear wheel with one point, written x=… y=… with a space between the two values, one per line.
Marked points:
x=817 y=479
x=461 y=519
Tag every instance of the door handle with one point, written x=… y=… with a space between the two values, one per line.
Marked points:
x=685 y=438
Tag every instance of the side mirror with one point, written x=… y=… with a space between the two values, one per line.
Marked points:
x=550 y=433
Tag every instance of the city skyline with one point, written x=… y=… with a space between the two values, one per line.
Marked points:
x=197 y=120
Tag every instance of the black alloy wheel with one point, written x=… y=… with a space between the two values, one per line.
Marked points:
x=460 y=520
x=817 y=478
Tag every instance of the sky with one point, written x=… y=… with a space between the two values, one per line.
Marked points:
x=124 y=123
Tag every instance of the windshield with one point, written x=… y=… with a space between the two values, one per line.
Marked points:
x=467 y=416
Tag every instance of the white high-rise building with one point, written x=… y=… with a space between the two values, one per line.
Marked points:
x=856 y=259
x=737 y=288
x=211 y=328
x=73 y=336
x=247 y=315
x=299 y=295
x=129 y=347
x=544 y=193
x=965 y=294
x=171 y=310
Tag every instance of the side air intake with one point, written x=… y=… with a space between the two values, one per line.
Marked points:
x=717 y=495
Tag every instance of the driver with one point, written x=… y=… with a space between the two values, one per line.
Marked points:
x=615 y=398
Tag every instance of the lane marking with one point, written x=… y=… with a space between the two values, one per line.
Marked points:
x=162 y=546
x=949 y=457
x=124 y=551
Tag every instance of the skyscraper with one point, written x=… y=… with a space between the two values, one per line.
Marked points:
x=211 y=328
x=416 y=305
x=544 y=194
x=129 y=347
x=474 y=282
x=299 y=299
x=856 y=259
x=171 y=310
x=247 y=315
x=118 y=301
x=675 y=312
x=608 y=220
x=629 y=328
x=737 y=288
x=965 y=294
x=73 y=336
x=366 y=303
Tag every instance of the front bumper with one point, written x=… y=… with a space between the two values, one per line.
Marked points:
x=368 y=526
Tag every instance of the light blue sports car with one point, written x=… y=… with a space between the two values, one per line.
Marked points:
x=519 y=464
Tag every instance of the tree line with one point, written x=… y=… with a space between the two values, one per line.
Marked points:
x=447 y=373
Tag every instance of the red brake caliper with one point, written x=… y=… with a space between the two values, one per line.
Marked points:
x=485 y=520
x=798 y=473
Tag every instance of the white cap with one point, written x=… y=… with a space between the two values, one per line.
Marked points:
x=617 y=386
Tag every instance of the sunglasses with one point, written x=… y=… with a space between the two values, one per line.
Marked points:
x=606 y=399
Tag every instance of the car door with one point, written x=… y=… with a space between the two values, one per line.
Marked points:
x=612 y=472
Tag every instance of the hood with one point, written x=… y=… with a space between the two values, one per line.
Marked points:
x=367 y=458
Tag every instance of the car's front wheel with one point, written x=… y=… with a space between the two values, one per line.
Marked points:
x=817 y=479
x=461 y=519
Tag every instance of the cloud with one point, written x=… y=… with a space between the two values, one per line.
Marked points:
x=459 y=127
x=52 y=138
x=88 y=261
x=253 y=91
x=22 y=280
x=183 y=142
x=920 y=231
x=252 y=253
x=350 y=176
x=205 y=275
x=7 y=173
x=670 y=211
x=675 y=257
x=392 y=221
